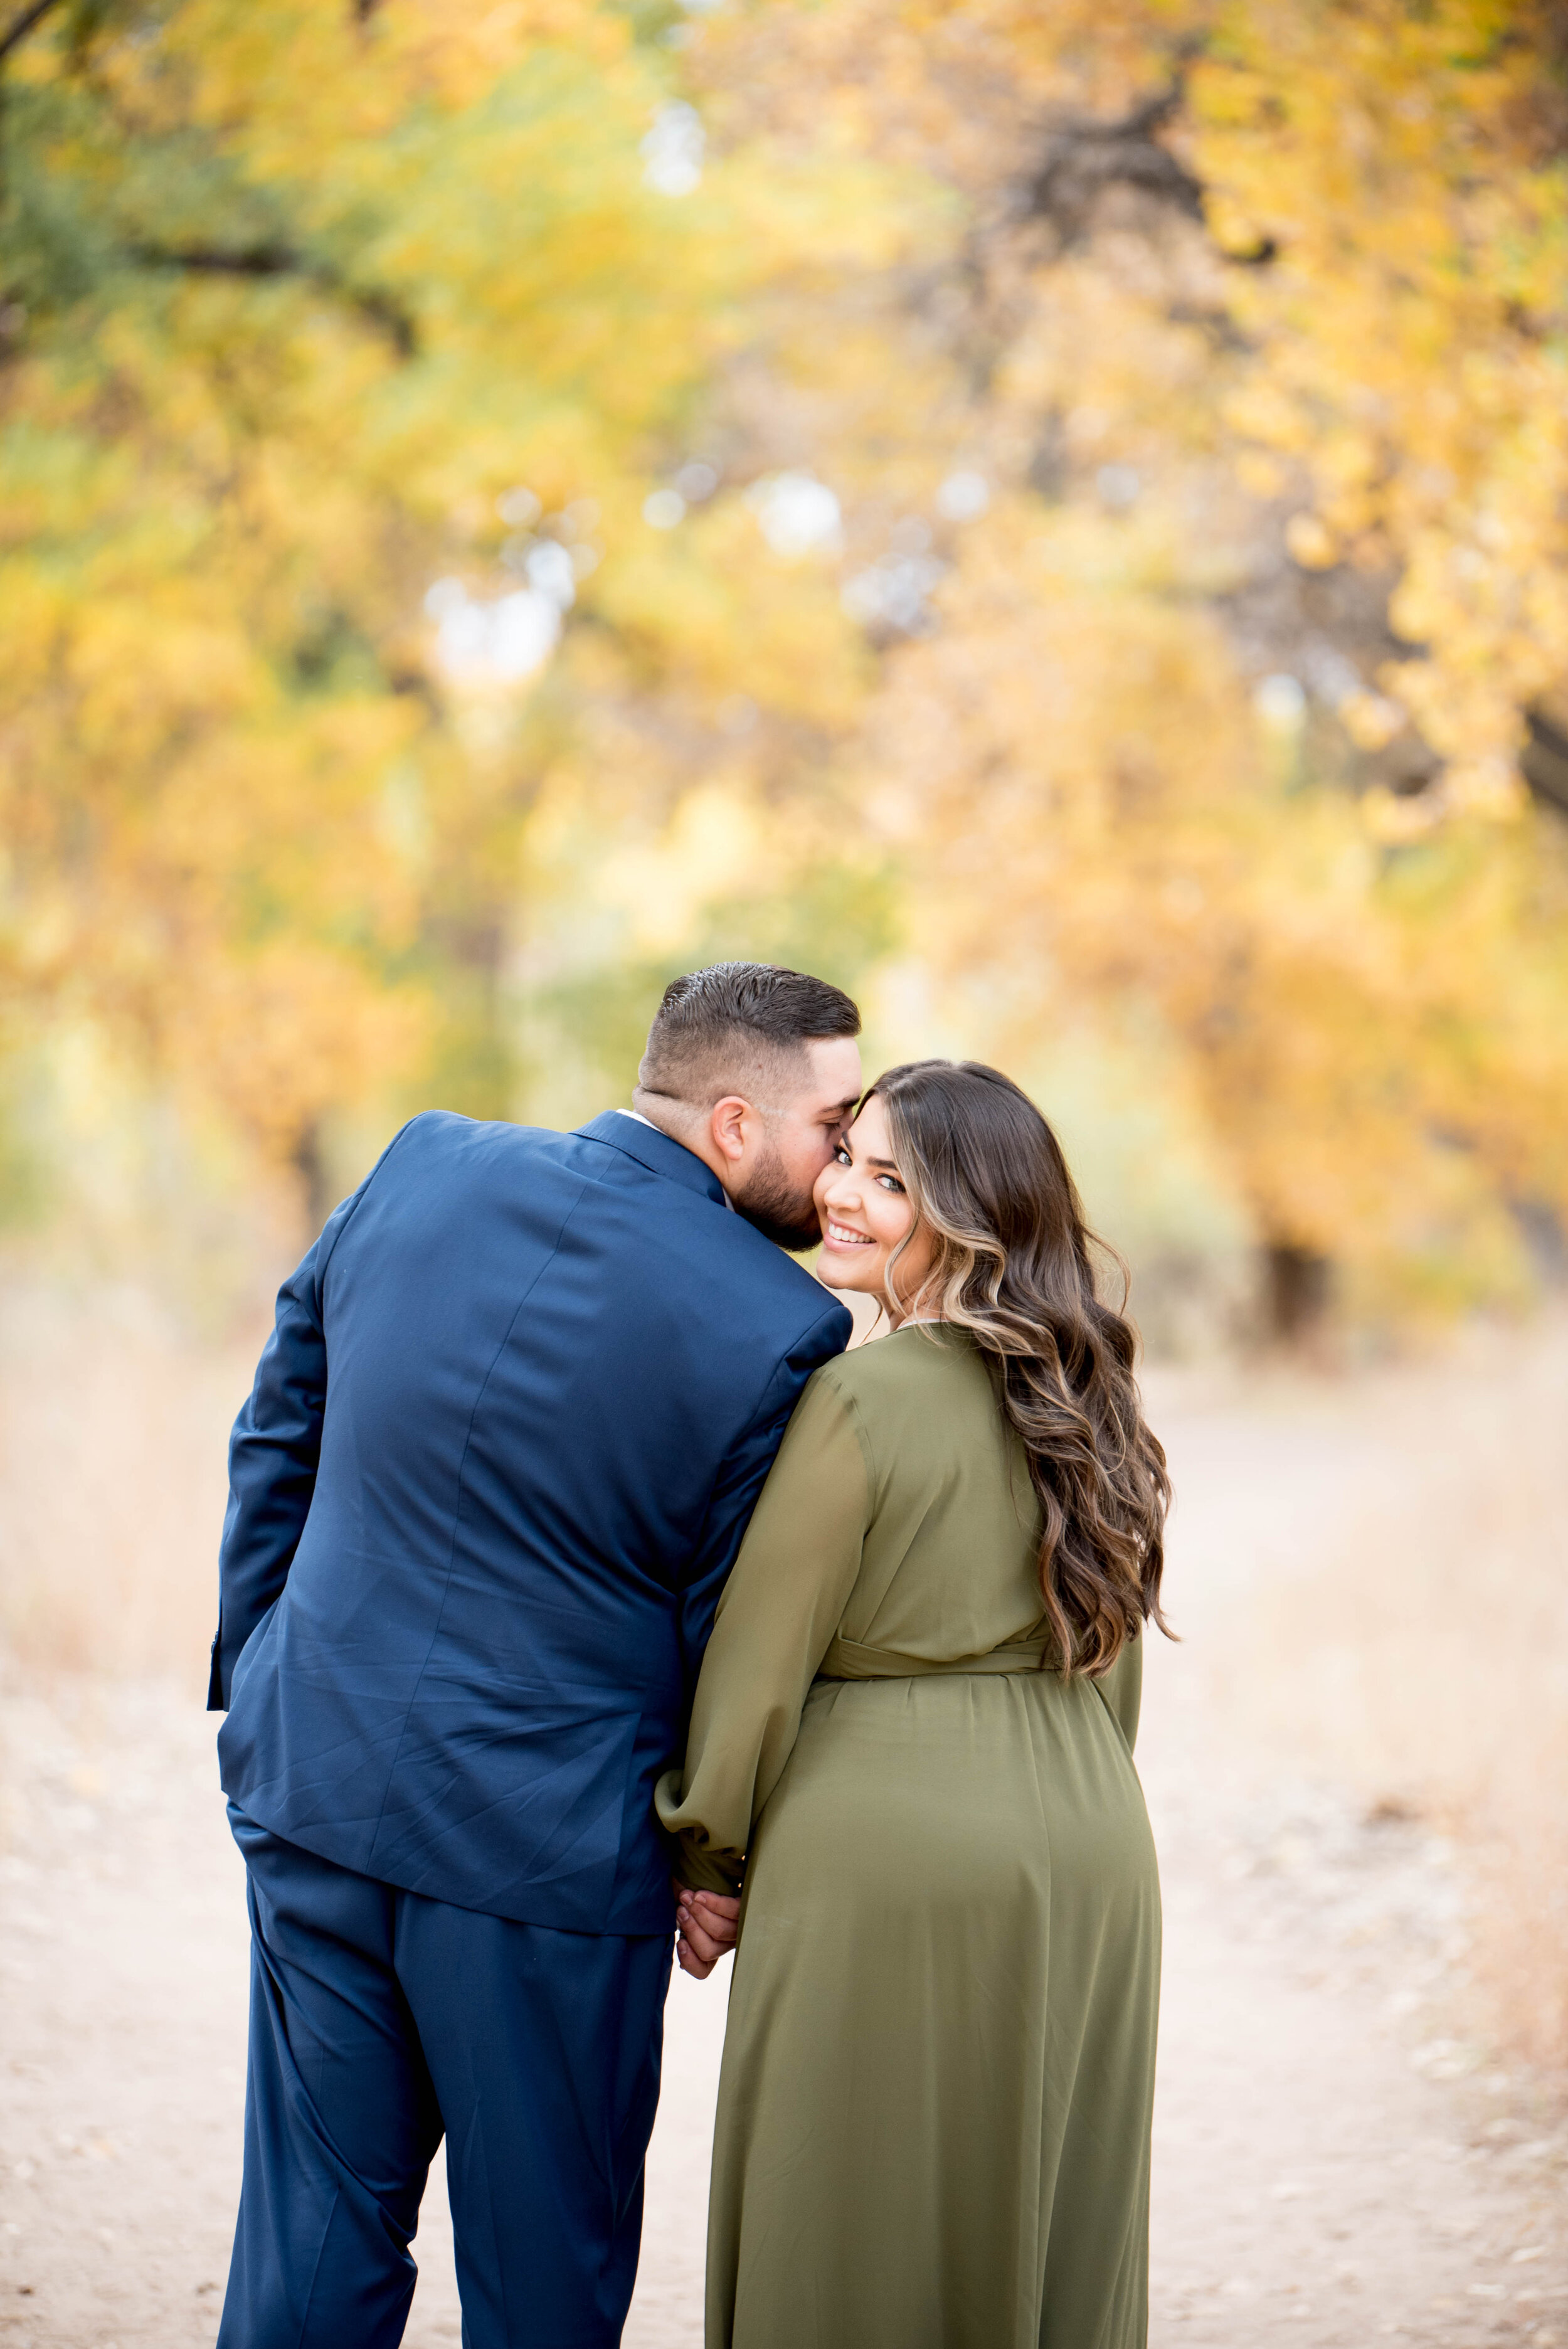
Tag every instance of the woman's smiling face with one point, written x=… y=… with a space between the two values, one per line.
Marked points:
x=866 y=1212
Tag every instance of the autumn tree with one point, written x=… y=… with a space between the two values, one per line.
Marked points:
x=343 y=351
x=1067 y=502
x=1212 y=703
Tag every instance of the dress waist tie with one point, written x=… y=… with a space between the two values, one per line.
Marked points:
x=846 y=1660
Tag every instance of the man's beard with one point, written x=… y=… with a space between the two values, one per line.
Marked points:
x=778 y=1210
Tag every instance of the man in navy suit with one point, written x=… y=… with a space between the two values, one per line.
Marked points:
x=503 y=1443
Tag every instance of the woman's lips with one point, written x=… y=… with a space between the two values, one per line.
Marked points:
x=841 y=1236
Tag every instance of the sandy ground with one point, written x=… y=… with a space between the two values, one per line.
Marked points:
x=1331 y=2158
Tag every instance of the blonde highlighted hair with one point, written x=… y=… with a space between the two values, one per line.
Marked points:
x=1014 y=1266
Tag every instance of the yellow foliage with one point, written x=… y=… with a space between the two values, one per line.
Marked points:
x=1243 y=293
x=495 y=503
x=306 y=296
x=1408 y=333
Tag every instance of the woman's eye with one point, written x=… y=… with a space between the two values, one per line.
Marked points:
x=890 y=1183
x=842 y=1156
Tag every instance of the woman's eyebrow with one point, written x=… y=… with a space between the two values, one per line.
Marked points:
x=890 y=1164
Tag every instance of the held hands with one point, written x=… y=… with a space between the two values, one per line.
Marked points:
x=709 y=1924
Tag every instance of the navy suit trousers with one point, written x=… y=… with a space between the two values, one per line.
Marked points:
x=380 y=2020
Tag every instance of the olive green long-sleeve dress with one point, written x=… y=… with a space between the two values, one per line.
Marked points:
x=933 y=2114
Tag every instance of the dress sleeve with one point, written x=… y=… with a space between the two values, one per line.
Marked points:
x=778 y=1613
x=735 y=1497
x=1122 y=1689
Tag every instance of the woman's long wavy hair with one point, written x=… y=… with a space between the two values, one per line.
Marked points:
x=1014 y=1266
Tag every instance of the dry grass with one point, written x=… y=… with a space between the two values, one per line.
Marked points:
x=1405 y=1625
x=1383 y=1594
x=113 y=1433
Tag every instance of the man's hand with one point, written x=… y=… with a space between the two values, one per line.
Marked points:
x=709 y=1923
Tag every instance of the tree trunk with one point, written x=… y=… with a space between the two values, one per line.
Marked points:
x=309 y=1163
x=1296 y=1288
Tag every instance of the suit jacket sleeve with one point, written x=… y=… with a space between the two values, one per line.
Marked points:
x=741 y=1479
x=273 y=1456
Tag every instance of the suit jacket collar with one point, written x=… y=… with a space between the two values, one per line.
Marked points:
x=654 y=1151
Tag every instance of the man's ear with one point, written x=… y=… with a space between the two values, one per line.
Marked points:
x=728 y=1126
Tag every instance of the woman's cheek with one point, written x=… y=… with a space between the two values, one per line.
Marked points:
x=894 y=1220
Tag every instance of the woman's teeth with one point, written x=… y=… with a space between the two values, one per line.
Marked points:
x=842 y=1234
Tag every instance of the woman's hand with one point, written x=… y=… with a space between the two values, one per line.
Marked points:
x=709 y=1922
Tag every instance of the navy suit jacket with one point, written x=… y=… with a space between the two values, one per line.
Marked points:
x=503 y=1443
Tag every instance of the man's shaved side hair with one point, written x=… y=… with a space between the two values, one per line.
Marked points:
x=738 y=1028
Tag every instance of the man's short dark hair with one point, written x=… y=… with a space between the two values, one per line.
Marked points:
x=719 y=1030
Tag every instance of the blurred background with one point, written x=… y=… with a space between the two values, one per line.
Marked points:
x=1055 y=519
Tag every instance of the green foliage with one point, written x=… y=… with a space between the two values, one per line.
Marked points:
x=835 y=921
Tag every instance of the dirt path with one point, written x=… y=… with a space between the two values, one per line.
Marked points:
x=1317 y=2166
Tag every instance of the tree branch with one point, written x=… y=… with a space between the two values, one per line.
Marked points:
x=1083 y=157
x=283 y=261
x=17 y=32
x=1544 y=761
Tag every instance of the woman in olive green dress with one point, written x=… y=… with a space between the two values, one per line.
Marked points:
x=911 y=1745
